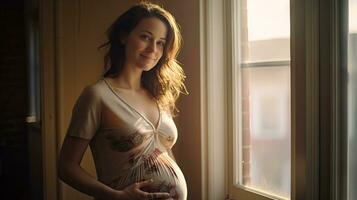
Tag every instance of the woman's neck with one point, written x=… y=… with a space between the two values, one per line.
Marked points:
x=129 y=78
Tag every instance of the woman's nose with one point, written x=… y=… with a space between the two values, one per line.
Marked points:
x=152 y=46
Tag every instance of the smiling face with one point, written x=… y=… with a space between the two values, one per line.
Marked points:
x=145 y=44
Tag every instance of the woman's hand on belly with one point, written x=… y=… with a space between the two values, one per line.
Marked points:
x=134 y=192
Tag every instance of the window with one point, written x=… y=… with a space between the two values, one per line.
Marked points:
x=282 y=87
x=262 y=88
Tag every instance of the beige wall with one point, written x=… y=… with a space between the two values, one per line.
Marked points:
x=80 y=29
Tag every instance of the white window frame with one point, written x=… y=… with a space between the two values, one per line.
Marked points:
x=213 y=100
x=235 y=132
x=308 y=47
x=234 y=114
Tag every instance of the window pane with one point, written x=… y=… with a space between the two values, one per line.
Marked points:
x=265 y=145
x=266 y=25
x=266 y=129
x=351 y=101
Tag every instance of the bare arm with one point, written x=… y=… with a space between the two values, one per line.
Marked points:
x=70 y=171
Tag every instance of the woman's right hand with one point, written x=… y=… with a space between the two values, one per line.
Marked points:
x=134 y=192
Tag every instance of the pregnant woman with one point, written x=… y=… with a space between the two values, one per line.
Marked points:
x=126 y=116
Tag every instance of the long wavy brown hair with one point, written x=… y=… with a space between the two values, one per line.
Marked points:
x=165 y=81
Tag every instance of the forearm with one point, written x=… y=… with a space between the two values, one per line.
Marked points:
x=78 y=178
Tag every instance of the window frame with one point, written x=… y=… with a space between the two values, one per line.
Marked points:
x=318 y=129
x=213 y=100
x=234 y=19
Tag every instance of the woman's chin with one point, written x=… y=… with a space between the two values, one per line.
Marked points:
x=144 y=68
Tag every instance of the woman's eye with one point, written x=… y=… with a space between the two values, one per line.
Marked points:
x=161 y=43
x=145 y=37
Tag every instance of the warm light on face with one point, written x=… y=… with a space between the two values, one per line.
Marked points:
x=145 y=44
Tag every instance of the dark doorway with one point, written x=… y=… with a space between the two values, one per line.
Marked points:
x=20 y=141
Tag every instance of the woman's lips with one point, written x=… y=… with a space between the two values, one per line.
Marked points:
x=147 y=57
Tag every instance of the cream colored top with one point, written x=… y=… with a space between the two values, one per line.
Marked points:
x=126 y=146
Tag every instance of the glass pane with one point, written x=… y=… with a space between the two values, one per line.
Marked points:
x=265 y=145
x=266 y=129
x=351 y=101
x=265 y=26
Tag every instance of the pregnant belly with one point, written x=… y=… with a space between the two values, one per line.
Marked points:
x=165 y=173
